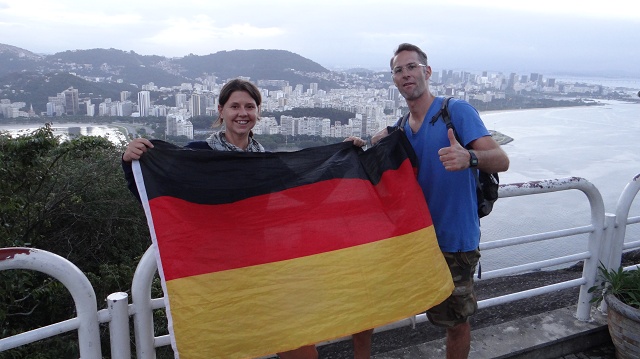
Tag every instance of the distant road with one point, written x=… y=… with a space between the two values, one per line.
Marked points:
x=133 y=128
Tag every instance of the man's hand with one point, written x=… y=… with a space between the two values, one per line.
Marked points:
x=357 y=141
x=378 y=136
x=455 y=157
x=136 y=148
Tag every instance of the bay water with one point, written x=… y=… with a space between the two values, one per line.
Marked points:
x=598 y=143
x=64 y=130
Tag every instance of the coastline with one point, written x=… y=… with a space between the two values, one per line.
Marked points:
x=501 y=138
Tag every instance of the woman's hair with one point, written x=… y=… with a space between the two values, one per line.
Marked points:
x=237 y=85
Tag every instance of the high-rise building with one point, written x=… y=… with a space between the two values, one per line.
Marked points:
x=181 y=100
x=55 y=105
x=124 y=108
x=71 y=101
x=288 y=125
x=185 y=128
x=177 y=125
x=435 y=77
x=512 y=80
x=363 y=123
x=91 y=109
x=394 y=95
x=144 y=103
x=197 y=105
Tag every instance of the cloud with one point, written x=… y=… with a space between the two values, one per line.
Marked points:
x=196 y=33
x=458 y=34
x=612 y=9
x=49 y=13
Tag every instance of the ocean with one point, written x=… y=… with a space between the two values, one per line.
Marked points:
x=597 y=143
x=630 y=83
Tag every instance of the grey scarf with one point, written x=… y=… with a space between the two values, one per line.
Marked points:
x=218 y=142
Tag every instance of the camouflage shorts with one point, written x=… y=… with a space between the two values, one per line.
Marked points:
x=462 y=303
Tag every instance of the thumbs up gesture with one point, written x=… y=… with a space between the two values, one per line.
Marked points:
x=455 y=157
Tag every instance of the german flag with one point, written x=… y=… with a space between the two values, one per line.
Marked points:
x=265 y=252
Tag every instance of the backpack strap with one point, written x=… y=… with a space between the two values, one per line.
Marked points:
x=443 y=112
x=446 y=117
x=403 y=120
x=399 y=124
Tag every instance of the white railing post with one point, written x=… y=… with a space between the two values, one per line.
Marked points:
x=609 y=234
x=606 y=248
x=142 y=308
x=118 y=305
x=622 y=215
x=590 y=268
x=74 y=280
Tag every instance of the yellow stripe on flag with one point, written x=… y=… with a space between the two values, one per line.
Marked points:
x=263 y=309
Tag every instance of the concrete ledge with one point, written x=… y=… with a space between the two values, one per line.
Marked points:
x=544 y=336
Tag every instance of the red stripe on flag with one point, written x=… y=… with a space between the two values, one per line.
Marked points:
x=325 y=216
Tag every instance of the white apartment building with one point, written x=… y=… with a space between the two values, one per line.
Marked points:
x=144 y=103
x=178 y=125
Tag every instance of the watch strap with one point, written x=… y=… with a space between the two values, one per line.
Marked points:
x=473 y=159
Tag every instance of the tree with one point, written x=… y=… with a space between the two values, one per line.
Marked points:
x=69 y=198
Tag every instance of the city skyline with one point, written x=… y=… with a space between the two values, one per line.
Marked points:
x=373 y=107
x=569 y=37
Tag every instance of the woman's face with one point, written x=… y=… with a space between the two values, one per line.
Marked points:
x=239 y=114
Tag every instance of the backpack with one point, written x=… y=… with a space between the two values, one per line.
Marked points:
x=486 y=183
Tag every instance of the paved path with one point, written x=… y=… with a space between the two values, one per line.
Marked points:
x=603 y=352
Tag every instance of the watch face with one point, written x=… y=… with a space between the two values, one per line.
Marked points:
x=473 y=161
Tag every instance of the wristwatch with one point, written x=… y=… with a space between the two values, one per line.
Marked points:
x=473 y=159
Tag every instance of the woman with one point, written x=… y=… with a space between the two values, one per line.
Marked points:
x=239 y=106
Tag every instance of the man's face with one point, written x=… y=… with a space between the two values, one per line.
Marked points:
x=412 y=77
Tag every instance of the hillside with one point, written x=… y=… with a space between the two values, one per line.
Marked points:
x=15 y=59
x=35 y=89
x=255 y=64
x=103 y=73
x=115 y=65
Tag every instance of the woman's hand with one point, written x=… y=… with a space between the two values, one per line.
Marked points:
x=136 y=148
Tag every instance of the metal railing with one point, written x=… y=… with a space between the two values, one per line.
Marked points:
x=606 y=243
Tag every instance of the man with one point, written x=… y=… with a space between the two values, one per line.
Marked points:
x=448 y=184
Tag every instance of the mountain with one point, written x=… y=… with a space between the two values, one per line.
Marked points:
x=115 y=65
x=15 y=59
x=26 y=77
x=257 y=65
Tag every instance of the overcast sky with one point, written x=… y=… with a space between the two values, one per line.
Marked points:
x=546 y=36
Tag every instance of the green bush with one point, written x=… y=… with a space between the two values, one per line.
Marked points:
x=69 y=198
